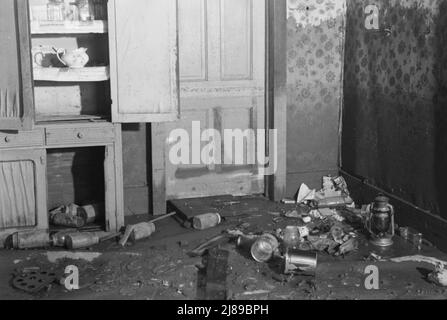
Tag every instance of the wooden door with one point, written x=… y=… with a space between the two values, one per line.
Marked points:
x=16 y=88
x=22 y=191
x=144 y=60
x=222 y=58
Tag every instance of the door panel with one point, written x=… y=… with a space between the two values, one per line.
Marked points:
x=192 y=40
x=23 y=189
x=16 y=93
x=236 y=39
x=144 y=60
x=230 y=97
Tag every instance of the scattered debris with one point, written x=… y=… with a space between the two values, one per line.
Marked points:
x=439 y=276
x=334 y=202
x=413 y=236
x=67 y=216
x=305 y=194
x=349 y=246
x=419 y=258
x=214 y=242
x=288 y=201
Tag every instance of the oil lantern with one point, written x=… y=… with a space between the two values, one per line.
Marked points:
x=380 y=221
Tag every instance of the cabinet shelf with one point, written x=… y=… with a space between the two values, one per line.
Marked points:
x=68 y=27
x=87 y=74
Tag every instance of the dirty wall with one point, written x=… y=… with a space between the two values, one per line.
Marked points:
x=395 y=100
x=315 y=41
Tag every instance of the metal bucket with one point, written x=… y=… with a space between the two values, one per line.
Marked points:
x=300 y=262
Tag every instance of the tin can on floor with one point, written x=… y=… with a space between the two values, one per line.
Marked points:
x=81 y=240
x=206 y=221
x=92 y=213
x=264 y=247
x=300 y=262
x=30 y=239
x=58 y=239
x=142 y=231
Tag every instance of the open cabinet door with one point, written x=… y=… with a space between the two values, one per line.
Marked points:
x=16 y=87
x=144 y=60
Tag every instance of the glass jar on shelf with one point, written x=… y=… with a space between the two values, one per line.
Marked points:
x=56 y=10
x=85 y=10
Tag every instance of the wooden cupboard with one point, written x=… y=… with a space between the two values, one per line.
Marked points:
x=50 y=110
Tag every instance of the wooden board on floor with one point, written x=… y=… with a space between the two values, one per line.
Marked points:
x=226 y=206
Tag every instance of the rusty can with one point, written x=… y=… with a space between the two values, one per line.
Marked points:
x=30 y=239
x=206 y=221
x=264 y=247
x=81 y=240
x=300 y=262
x=142 y=231
x=92 y=213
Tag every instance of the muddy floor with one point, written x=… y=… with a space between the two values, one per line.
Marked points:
x=161 y=268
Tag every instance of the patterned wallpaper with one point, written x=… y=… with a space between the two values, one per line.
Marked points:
x=395 y=92
x=315 y=62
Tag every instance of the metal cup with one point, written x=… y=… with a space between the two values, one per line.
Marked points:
x=300 y=262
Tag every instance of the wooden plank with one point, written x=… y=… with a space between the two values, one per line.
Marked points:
x=144 y=74
x=110 y=189
x=87 y=74
x=158 y=138
x=16 y=87
x=276 y=94
x=69 y=27
x=119 y=181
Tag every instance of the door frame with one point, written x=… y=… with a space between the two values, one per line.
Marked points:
x=275 y=113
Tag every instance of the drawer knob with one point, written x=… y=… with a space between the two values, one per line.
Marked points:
x=80 y=135
x=7 y=139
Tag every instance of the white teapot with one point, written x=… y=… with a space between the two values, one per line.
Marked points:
x=77 y=58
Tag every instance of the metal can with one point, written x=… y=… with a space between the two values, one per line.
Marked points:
x=58 y=239
x=300 y=262
x=142 y=231
x=81 y=240
x=92 y=213
x=206 y=221
x=264 y=247
x=30 y=239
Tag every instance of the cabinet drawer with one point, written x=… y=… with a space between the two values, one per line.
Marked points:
x=74 y=136
x=33 y=138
